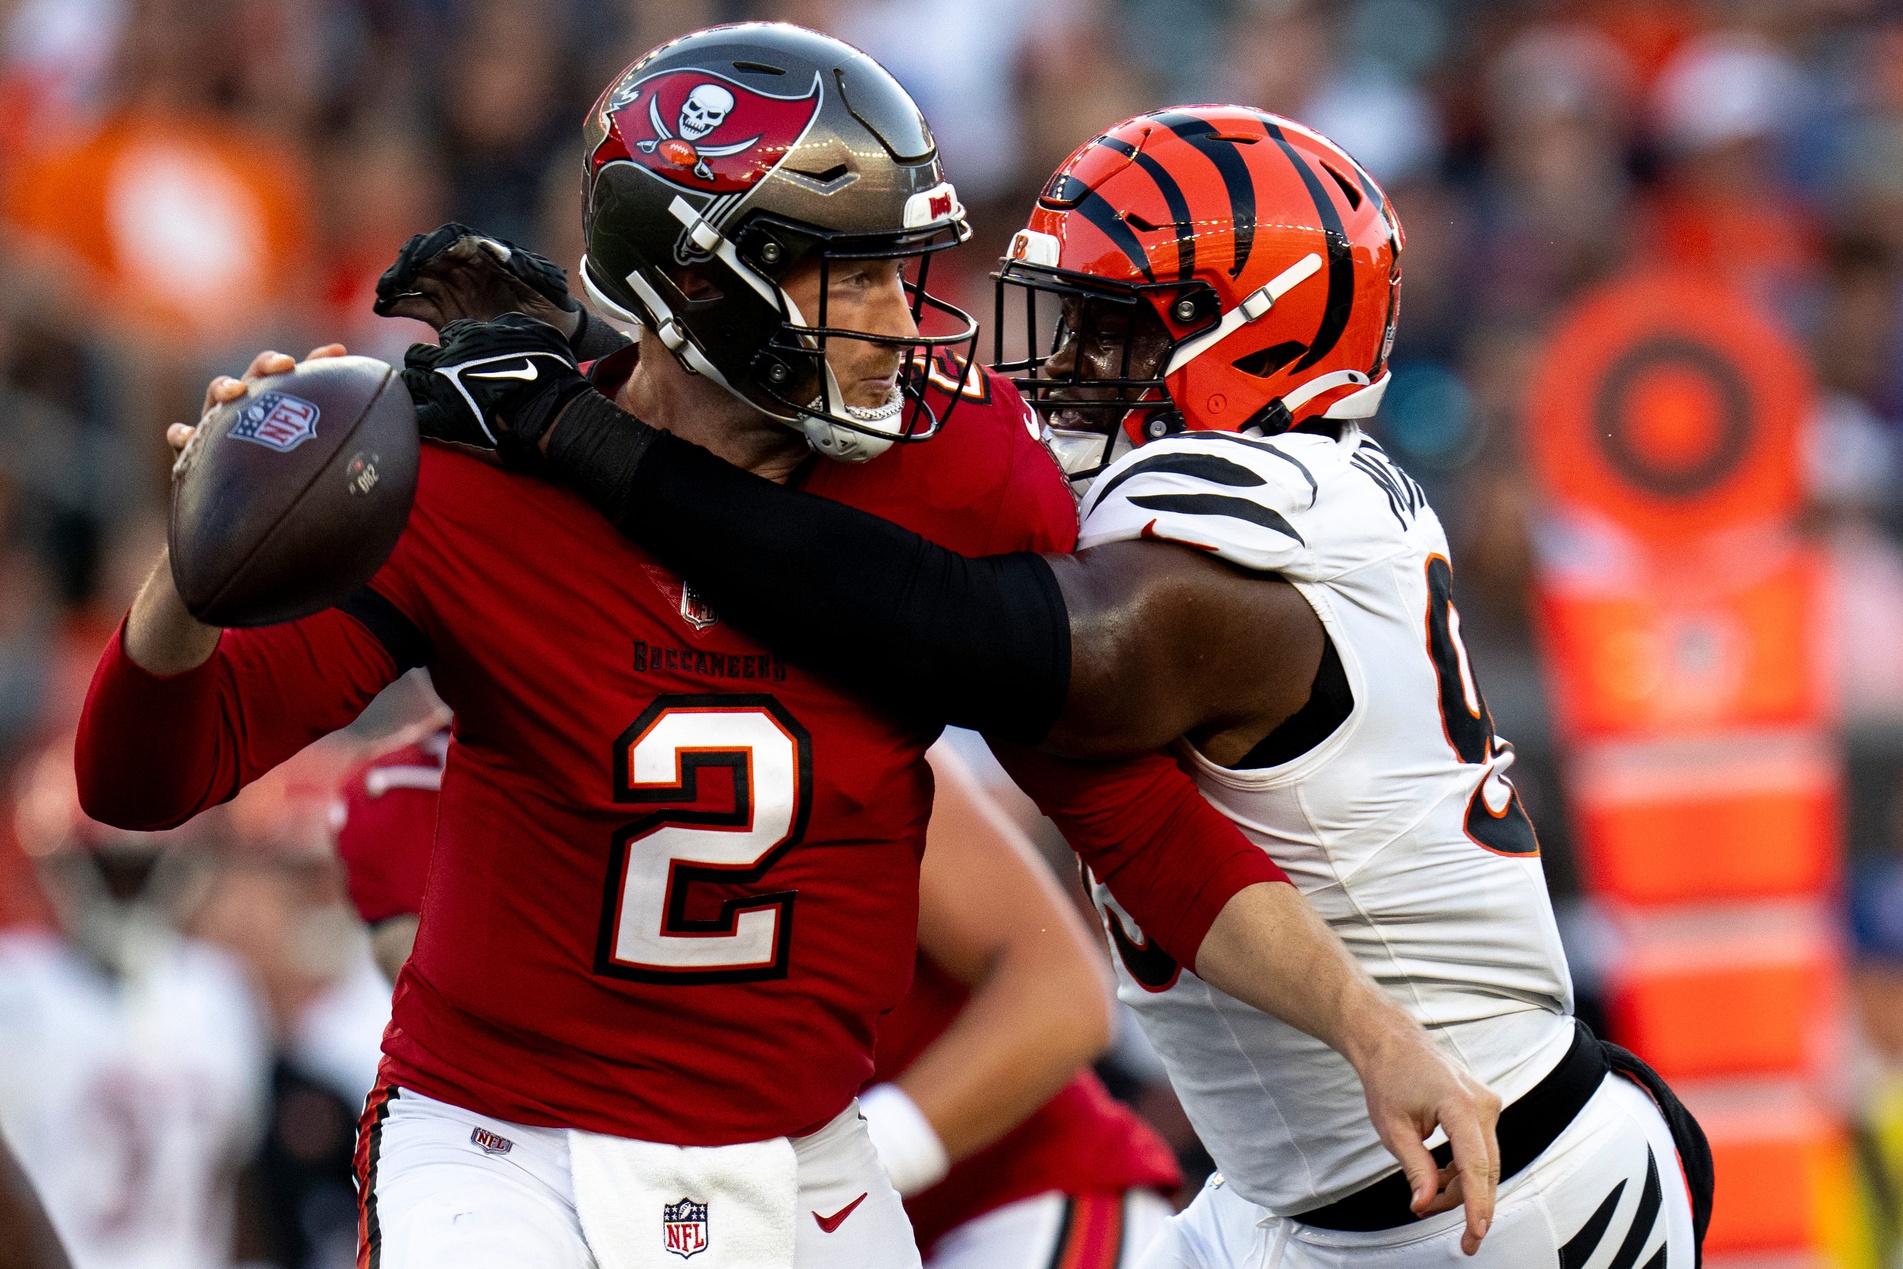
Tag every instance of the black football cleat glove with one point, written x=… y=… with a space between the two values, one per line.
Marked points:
x=493 y=385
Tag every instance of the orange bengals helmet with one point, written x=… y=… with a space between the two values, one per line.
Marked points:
x=1243 y=271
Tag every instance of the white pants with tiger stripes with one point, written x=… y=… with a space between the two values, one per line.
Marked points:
x=440 y=1187
x=1607 y=1194
x=1057 y=1231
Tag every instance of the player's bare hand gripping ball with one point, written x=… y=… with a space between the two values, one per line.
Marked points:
x=293 y=488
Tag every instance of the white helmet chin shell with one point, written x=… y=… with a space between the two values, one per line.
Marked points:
x=849 y=445
x=841 y=444
x=1082 y=455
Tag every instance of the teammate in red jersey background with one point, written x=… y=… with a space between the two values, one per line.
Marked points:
x=1007 y=1002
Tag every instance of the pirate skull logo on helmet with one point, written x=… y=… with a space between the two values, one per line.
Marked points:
x=705 y=109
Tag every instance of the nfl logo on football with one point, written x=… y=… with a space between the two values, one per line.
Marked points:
x=684 y=1227
x=277 y=420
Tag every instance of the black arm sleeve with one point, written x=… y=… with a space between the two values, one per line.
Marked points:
x=920 y=630
x=595 y=339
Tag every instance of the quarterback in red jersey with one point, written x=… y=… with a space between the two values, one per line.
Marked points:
x=997 y=1172
x=677 y=876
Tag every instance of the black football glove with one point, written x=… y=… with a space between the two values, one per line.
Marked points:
x=454 y=273
x=424 y=254
x=493 y=385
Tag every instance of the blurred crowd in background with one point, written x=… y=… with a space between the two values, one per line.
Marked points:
x=184 y=182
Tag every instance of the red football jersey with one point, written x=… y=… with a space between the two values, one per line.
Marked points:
x=386 y=826
x=675 y=882
x=1082 y=1141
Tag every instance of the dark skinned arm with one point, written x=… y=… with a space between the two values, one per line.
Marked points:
x=1112 y=652
x=1167 y=641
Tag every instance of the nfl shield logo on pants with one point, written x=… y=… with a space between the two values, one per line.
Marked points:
x=684 y=1228
x=277 y=420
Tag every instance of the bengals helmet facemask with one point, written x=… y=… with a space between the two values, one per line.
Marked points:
x=1201 y=268
x=720 y=162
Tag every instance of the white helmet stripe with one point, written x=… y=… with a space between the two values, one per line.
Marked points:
x=1254 y=305
x=677 y=340
x=1362 y=404
x=706 y=238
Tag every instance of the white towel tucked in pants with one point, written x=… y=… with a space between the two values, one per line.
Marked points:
x=450 y=1189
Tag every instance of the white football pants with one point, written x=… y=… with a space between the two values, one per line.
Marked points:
x=1607 y=1191
x=1092 y=1231
x=439 y=1200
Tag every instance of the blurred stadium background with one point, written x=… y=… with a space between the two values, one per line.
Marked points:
x=1704 y=680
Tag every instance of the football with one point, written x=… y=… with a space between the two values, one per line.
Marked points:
x=289 y=498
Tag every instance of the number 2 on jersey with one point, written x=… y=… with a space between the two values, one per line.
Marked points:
x=655 y=927
x=1469 y=725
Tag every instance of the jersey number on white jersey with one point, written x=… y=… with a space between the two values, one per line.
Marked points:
x=659 y=860
x=1469 y=726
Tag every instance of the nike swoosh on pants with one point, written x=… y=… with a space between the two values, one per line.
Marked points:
x=829 y=1223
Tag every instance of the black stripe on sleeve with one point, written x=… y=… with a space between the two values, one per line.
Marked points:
x=1261 y=446
x=407 y=645
x=1235 y=177
x=1217 y=471
x=1219 y=505
x=1341 y=263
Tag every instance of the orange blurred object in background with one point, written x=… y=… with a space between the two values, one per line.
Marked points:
x=1751 y=815
x=1677 y=610
x=1670 y=408
x=179 y=223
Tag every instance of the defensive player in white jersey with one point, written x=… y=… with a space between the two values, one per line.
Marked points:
x=1260 y=583
x=133 y=1060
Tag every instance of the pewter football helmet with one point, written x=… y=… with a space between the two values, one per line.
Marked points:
x=733 y=154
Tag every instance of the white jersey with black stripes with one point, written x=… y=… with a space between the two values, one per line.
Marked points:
x=1401 y=827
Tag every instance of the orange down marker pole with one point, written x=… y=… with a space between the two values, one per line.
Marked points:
x=1673 y=601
